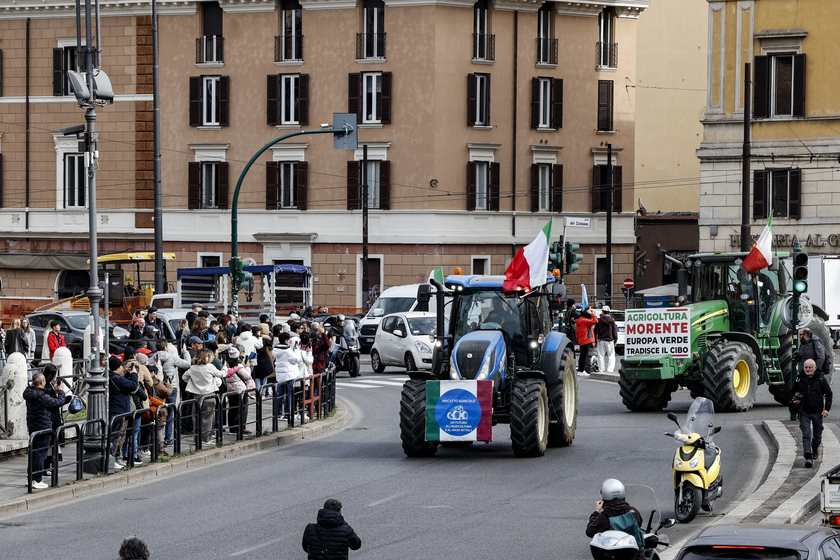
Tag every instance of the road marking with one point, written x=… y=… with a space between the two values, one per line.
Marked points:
x=388 y=499
x=259 y=546
x=386 y=382
x=357 y=386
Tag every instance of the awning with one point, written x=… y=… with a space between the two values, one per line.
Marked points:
x=43 y=261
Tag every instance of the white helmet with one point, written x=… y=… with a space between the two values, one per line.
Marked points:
x=341 y=317
x=612 y=489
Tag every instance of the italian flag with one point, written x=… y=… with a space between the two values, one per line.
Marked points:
x=761 y=254
x=459 y=410
x=528 y=268
x=437 y=274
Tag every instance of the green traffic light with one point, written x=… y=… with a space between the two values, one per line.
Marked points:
x=800 y=286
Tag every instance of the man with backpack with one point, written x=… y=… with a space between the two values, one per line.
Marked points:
x=613 y=513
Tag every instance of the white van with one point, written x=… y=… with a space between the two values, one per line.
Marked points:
x=398 y=299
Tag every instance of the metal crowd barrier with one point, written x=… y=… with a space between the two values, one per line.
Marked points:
x=314 y=401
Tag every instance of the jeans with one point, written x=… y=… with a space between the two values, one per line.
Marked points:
x=40 y=447
x=116 y=432
x=135 y=434
x=584 y=356
x=172 y=398
x=259 y=382
x=809 y=442
x=282 y=398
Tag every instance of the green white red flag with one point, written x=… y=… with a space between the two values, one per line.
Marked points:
x=761 y=254
x=529 y=267
x=459 y=410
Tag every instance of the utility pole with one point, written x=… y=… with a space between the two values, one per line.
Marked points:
x=608 y=291
x=745 y=165
x=365 y=280
x=160 y=279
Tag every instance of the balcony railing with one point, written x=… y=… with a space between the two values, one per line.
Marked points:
x=546 y=50
x=484 y=46
x=607 y=55
x=370 y=45
x=209 y=48
x=288 y=48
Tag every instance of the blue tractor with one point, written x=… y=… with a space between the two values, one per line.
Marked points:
x=506 y=338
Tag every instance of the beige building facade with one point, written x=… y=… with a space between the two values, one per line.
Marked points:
x=482 y=120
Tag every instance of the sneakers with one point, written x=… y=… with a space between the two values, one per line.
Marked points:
x=118 y=464
x=582 y=374
x=39 y=485
x=145 y=453
x=809 y=463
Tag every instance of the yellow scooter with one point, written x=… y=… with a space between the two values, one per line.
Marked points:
x=697 y=478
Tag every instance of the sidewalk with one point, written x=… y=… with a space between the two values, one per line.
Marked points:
x=15 y=499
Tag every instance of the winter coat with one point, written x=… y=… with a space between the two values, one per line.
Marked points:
x=40 y=403
x=320 y=354
x=237 y=379
x=144 y=377
x=16 y=341
x=203 y=379
x=265 y=362
x=816 y=393
x=599 y=521
x=54 y=342
x=606 y=329
x=249 y=343
x=286 y=363
x=33 y=342
x=170 y=363
x=119 y=392
x=584 y=328
x=811 y=350
x=306 y=362
x=336 y=536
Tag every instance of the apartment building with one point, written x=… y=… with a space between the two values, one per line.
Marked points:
x=794 y=124
x=482 y=120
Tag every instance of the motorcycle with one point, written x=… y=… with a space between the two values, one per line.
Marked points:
x=698 y=481
x=348 y=356
x=618 y=545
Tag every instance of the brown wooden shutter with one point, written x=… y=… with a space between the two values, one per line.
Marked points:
x=1 y=180
x=487 y=102
x=493 y=187
x=224 y=99
x=222 y=193
x=471 y=187
x=759 y=194
x=195 y=100
x=799 y=85
x=58 y=72
x=617 y=183
x=557 y=104
x=471 y=99
x=795 y=204
x=273 y=100
x=353 y=193
x=271 y=172
x=385 y=99
x=194 y=185
x=384 y=185
x=761 y=95
x=605 y=105
x=596 y=188
x=557 y=189
x=535 y=102
x=535 y=187
x=301 y=184
x=303 y=98
x=354 y=94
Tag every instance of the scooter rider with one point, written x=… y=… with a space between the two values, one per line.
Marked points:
x=337 y=333
x=610 y=508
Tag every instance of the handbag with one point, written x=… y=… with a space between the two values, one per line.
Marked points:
x=76 y=405
x=324 y=550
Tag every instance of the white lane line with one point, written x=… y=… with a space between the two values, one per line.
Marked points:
x=356 y=386
x=259 y=546
x=384 y=382
x=388 y=499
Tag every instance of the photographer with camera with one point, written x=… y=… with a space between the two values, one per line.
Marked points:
x=122 y=384
x=812 y=401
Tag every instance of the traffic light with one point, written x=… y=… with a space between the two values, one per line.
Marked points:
x=572 y=258
x=245 y=279
x=800 y=272
x=555 y=255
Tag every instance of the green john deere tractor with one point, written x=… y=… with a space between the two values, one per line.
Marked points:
x=738 y=340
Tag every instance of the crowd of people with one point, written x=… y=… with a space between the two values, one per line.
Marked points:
x=590 y=332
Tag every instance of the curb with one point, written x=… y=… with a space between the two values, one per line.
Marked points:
x=82 y=488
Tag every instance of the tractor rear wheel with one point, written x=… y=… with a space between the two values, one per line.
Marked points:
x=528 y=417
x=642 y=395
x=564 y=397
x=785 y=353
x=730 y=375
x=413 y=420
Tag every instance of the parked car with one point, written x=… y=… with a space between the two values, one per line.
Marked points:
x=754 y=541
x=398 y=299
x=73 y=325
x=402 y=339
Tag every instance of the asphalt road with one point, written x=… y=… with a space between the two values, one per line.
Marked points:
x=473 y=503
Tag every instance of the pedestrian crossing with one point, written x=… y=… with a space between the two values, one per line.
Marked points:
x=370 y=382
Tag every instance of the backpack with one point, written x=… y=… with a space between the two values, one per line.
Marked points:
x=626 y=523
x=570 y=326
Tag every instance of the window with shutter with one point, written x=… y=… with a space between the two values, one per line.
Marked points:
x=759 y=194
x=471 y=185
x=303 y=99
x=222 y=186
x=779 y=85
x=795 y=194
x=195 y=100
x=617 y=188
x=557 y=108
x=353 y=194
x=384 y=185
x=557 y=189
x=271 y=172
x=494 y=190
x=471 y=99
x=535 y=102
x=273 y=100
x=224 y=100
x=596 y=188
x=194 y=185
x=385 y=99
x=778 y=191
x=302 y=183
x=354 y=89
x=605 y=105
x=535 y=187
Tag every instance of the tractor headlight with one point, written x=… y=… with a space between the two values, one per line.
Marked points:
x=694 y=462
x=453 y=373
x=422 y=347
x=484 y=371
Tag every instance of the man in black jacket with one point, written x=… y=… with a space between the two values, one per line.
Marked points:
x=813 y=393
x=331 y=536
x=122 y=384
x=40 y=402
x=809 y=348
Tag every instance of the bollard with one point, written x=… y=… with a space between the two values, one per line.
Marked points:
x=15 y=379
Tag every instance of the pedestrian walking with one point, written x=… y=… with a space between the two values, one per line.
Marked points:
x=809 y=348
x=40 y=405
x=606 y=333
x=331 y=538
x=812 y=400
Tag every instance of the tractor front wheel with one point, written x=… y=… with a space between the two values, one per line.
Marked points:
x=564 y=397
x=413 y=420
x=730 y=376
x=529 y=417
x=643 y=395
